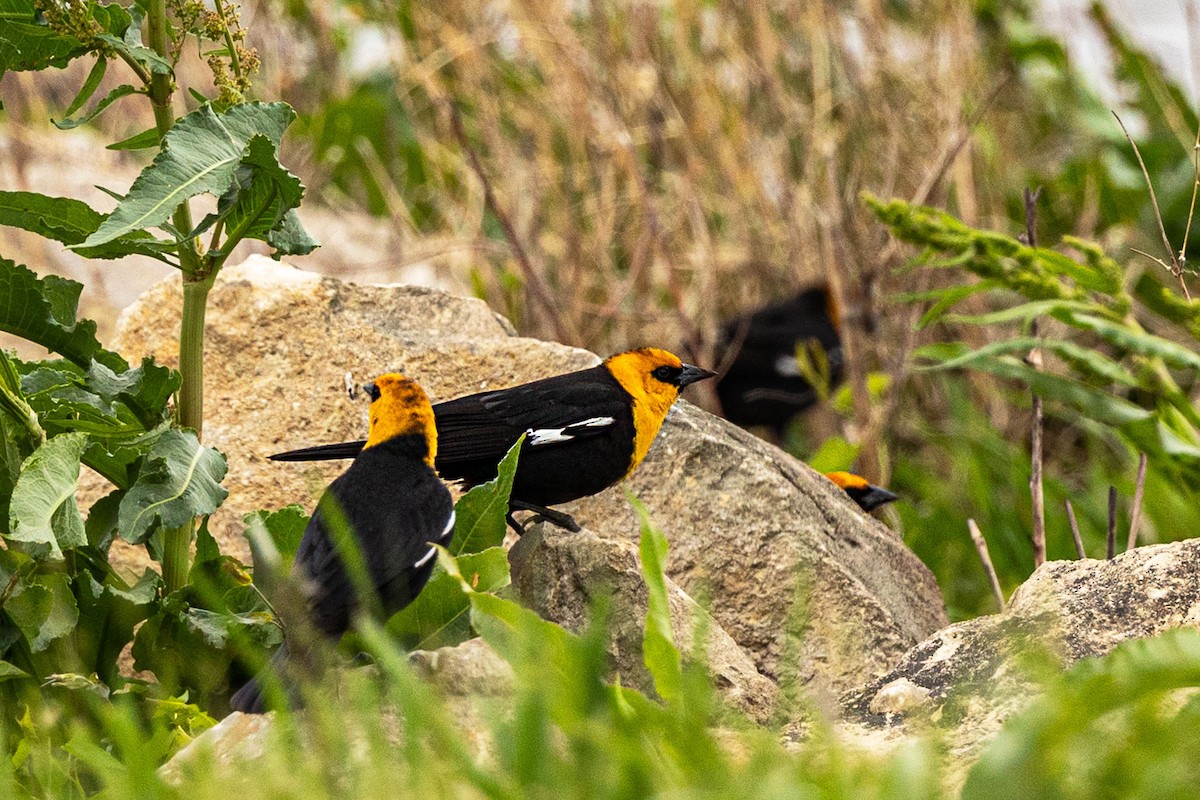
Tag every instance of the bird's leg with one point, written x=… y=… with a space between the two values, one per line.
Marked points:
x=548 y=514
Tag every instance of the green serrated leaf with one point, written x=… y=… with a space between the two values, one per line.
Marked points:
x=480 y=514
x=286 y=529
x=43 y=508
x=43 y=310
x=107 y=618
x=43 y=607
x=138 y=52
x=440 y=616
x=659 y=652
x=179 y=481
x=259 y=203
x=200 y=154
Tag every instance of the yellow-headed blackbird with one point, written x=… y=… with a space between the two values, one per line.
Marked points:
x=392 y=502
x=584 y=430
x=763 y=384
x=868 y=496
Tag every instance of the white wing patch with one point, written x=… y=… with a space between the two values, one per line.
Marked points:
x=442 y=538
x=540 y=436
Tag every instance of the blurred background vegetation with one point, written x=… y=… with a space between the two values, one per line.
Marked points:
x=615 y=174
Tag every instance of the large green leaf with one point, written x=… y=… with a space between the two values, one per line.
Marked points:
x=658 y=643
x=43 y=607
x=43 y=508
x=70 y=221
x=43 y=311
x=481 y=514
x=200 y=154
x=440 y=616
x=107 y=617
x=260 y=202
x=179 y=481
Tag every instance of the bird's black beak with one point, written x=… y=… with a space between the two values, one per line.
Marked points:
x=372 y=391
x=692 y=373
x=875 y=496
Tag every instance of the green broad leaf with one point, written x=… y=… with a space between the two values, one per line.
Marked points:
x=200 y=154
x=481 y=514
x=440 y=616
x=107 y=618
x=286 y=529
x=659 y=652
x=90 y=84
x=1145 y=344
x=259 y=201
x=145 y=390
x=70 y=222
x=113 y=96
x=179 y=481
x=27 y=43
x=139 y=141
x=14 y=449
x=44 y=609
x=10 y=672
x=190 y=649
x=1084 y=359
x=1090 y=402
x=101 y=524
x=43 y=311
x=43 y=508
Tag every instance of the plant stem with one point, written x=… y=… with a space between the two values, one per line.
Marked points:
x=177 y=542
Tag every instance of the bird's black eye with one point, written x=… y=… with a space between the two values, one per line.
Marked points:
x=667 y=374
x=372 y=391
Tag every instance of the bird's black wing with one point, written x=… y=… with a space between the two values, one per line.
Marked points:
x=395 y=508
x=482 y=427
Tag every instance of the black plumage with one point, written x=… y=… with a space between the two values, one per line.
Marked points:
x=383 y=513
x=763 y=384
x=584 y=430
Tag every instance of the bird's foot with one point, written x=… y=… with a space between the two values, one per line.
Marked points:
x=541 y=513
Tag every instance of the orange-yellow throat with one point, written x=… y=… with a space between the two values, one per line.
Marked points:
x=401 y=408
x=652 y=397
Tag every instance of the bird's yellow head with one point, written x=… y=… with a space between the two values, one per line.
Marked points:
x=848 y=480
x=653 y=378
x=400 y=407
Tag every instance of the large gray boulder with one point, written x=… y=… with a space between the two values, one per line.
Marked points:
x=779 y=554
x=562 y=575
x=969 y=678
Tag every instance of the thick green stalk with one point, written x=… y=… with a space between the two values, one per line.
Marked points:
x=190 y=410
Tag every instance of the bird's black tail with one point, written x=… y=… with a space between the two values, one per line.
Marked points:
x=253 y=696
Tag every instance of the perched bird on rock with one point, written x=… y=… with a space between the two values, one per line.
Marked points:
x=764 y=384
x=868 y=496
x=584 y=430
x=384 y=514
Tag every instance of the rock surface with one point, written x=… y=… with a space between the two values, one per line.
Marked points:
x=743 y=518
x=969 y=678
x=562 y=575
